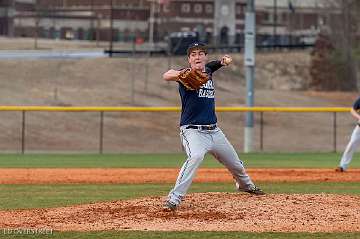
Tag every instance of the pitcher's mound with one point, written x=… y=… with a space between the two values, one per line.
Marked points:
x=201 y=212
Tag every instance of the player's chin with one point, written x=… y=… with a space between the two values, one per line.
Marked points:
x=199 y=66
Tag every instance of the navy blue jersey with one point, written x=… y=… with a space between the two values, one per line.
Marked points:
x=356 y=105
x=198 y=106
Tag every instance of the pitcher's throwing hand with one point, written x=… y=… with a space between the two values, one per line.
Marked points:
x=199 y=131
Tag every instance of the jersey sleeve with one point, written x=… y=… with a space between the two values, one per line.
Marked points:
x=213 y=66
x=356 y=105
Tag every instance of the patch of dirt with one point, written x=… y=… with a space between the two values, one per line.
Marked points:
x=166 y=175
x=201 y=212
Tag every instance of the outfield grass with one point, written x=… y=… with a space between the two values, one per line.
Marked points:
x=42 y=196
x=268 y=160
x=187 y=235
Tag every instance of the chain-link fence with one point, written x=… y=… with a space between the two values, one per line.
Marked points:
x=135 y=130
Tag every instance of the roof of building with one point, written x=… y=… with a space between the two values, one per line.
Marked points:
x=295 y=3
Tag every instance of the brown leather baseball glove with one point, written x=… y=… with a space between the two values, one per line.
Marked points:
x=193 y=79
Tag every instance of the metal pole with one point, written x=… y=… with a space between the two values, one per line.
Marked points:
x=334 y=131
x=23 y=133
x=101 y=135
x=261 y=131
x=111 y=29
x=132 y=65
x=250 y=22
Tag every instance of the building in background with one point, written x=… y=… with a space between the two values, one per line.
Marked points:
x=6 y=17
x=215 y=21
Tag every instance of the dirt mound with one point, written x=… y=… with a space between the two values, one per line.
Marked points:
x=167 y=175
x=201 y=212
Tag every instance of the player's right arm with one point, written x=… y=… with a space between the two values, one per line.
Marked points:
x=171 y=75
x=355 y=114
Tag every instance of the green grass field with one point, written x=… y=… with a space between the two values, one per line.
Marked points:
x=268 y=160
x=43 y=196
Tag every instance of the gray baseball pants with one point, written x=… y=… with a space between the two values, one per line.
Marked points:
x=350 y=148
x=196 y=144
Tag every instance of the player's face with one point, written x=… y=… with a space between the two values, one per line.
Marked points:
x=197 y=59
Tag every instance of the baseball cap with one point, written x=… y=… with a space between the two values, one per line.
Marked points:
x=196 y=46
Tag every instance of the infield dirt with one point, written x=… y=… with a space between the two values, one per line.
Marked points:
x=199 y=211
x=161 y=175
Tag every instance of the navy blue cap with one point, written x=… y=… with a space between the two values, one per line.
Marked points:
x=196 y=46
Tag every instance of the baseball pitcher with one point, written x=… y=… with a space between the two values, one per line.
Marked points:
x=199 y=131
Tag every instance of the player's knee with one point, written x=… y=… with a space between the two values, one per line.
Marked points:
x=197 y=157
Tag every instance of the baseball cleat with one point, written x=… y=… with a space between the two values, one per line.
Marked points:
x=169 y=207
x=339 y=169
x=255 y=190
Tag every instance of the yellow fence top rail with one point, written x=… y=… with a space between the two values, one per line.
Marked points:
x=171 y=109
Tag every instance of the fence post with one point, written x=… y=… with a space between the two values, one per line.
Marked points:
x=334 y=131
x=101 y=133
x=261 y=131
x=23 y=133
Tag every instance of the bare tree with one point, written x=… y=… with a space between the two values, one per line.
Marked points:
x=342 y=30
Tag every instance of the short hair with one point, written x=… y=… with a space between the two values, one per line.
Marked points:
x=196 y=46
